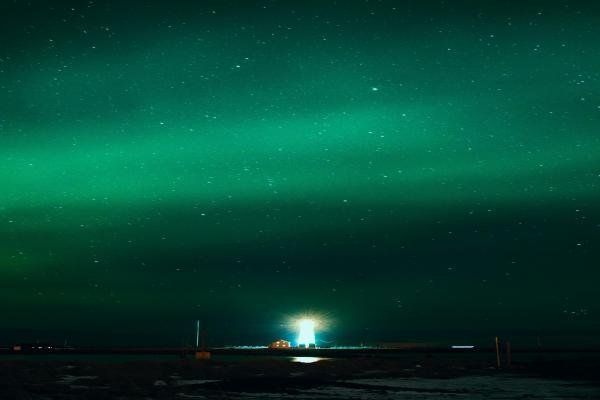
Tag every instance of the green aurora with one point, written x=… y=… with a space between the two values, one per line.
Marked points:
x=396 y=167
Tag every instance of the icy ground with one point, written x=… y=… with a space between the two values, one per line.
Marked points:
x=474 y=388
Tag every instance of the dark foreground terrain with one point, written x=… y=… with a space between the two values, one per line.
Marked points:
x=423 y=376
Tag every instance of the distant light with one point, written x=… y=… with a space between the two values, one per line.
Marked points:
x=306 y=336
x=463 y=347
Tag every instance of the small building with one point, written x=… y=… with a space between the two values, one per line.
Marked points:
x=280 y=344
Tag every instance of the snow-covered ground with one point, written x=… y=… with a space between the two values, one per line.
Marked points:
x=73 y=380
x=68 y=379
x=472 y=388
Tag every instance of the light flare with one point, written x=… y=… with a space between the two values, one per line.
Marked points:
x=306 y=334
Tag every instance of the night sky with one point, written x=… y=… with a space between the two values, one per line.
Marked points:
x=404 y=170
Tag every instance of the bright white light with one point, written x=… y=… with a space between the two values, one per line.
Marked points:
x=463 y=347
x=306 y=336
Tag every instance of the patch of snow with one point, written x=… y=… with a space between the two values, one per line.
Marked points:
x=373 y=372
x=185 y=382
x=479 y=387
x=248 y=395
x=160 y=383
x=499 y=387
x=68 y=379
x=88 y=387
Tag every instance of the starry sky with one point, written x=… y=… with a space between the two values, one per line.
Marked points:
x=403 y=170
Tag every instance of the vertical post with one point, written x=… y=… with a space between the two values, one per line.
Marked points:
x=497 y=352
x=508 y=355
x=197 y=332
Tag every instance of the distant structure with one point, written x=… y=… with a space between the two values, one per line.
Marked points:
x=280 y=344
x=40 y=347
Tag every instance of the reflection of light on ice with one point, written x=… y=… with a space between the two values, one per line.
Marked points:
x=307 y=360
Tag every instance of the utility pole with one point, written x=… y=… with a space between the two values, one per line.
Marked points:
x=201 y=352
x=497 y=352
x=197 y=333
